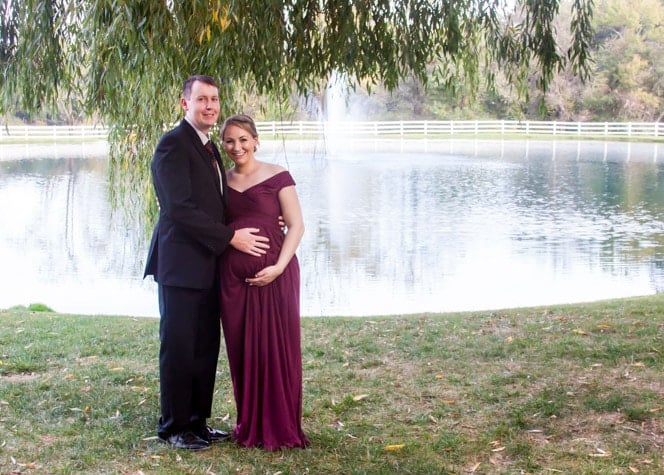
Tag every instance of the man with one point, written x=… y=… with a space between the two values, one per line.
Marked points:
x=190 y=234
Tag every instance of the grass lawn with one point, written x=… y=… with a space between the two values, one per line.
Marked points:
x=556 y=389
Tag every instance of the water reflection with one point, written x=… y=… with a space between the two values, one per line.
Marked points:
x=60 y=243
x=391 y=226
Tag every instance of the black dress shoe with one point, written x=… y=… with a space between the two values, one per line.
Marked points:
x=186 y=440
x=213 y=435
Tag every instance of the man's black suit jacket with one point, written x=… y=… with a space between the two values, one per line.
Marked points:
x=190 y=234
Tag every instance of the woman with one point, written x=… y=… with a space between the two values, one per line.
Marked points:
x=260 y=297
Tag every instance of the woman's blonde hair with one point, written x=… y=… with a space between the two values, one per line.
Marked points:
x=243 y=121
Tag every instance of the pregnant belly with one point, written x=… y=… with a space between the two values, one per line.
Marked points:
x=242 y=265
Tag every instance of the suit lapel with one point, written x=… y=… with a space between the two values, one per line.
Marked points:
x=205 y=156
x=221 y=186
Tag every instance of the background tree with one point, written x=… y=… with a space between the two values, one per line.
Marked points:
x=628 y=83
x=126 y=59
x=625 y=84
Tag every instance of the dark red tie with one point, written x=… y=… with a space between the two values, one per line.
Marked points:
x=215 y=165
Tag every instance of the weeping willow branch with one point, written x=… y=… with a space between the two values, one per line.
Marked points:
x=125 y=60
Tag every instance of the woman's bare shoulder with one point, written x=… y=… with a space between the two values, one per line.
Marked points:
x=272 y=168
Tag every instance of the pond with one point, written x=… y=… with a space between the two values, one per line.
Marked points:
x=392 y=226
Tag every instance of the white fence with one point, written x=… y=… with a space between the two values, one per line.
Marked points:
x=424 y=128
x=470 y=127
x=8 y=132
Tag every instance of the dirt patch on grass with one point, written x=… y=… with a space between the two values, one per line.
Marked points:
x=19 y=378
x=613 y=429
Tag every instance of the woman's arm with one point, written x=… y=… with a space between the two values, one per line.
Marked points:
x=292 y=213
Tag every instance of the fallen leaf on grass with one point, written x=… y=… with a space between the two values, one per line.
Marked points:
x=439 y=376
x=578 y=331
x=359 y=397
x=638 y=364
x=139 y=388
x=31 y=465
x=338 y=425
x=498 y=449
x=601 y=453
x=394 y=447
x=475 y=467
x=633 y=469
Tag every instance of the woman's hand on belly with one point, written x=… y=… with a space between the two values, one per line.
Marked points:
x=264 y=276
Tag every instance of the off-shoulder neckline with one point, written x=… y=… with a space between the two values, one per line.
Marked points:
x=256 y=184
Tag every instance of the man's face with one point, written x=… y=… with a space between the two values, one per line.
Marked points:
x=202 y=107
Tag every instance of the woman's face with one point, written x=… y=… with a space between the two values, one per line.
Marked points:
x=239 y=144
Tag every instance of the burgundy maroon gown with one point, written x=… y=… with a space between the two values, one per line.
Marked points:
x=262 y=326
